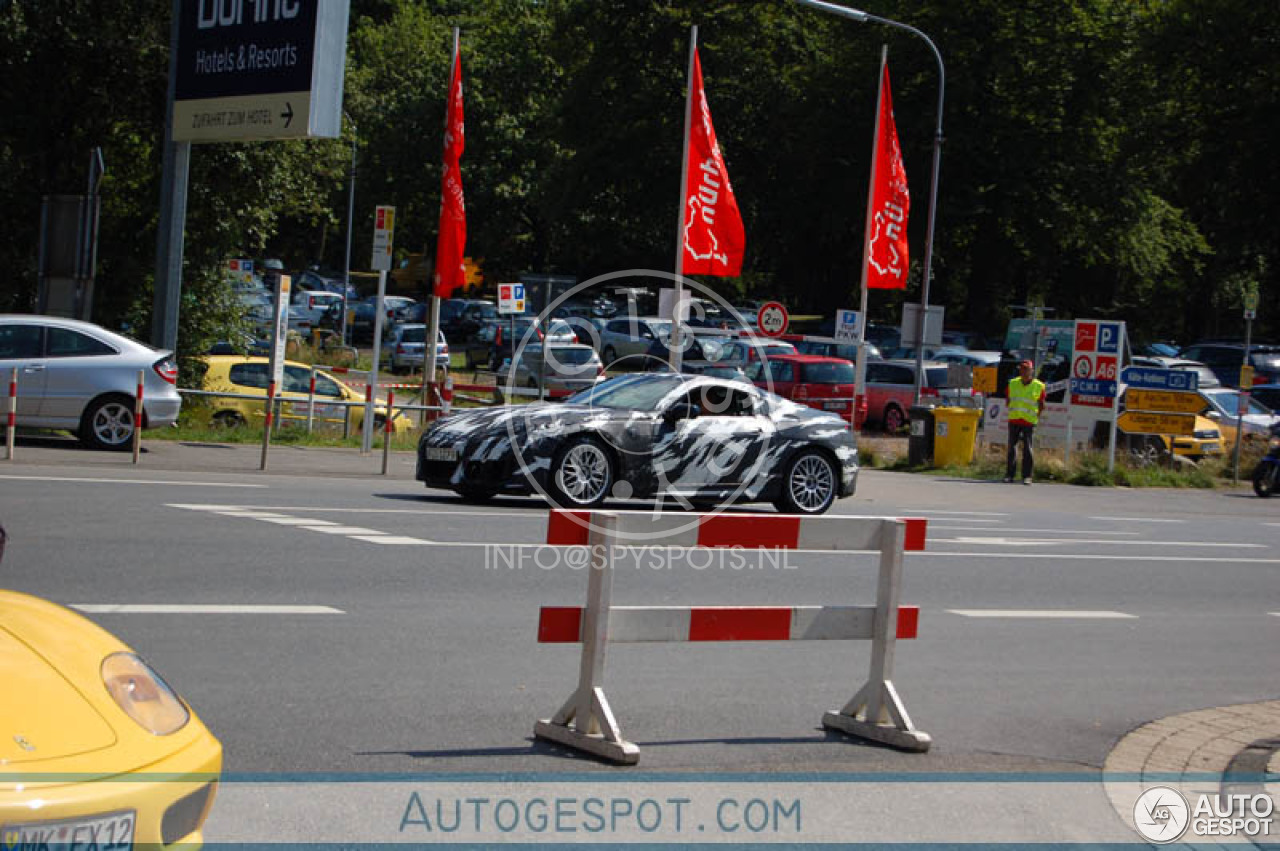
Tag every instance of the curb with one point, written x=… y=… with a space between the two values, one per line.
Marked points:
x=1197 y=753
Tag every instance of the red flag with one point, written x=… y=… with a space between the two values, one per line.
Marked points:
x=887 y=256
x=713 y=235
x=451 y=243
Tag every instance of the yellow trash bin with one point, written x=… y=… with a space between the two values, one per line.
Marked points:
x=954 y=436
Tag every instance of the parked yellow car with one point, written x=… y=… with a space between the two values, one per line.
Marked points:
x=97 y=750
x=1205 y=441
x=252 y=375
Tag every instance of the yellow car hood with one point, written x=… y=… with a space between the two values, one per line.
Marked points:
x=42 y=715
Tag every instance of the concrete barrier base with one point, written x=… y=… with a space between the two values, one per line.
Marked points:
x=915 y=741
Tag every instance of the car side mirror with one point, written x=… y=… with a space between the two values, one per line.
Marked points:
x=679 y=411
x=1213 y=415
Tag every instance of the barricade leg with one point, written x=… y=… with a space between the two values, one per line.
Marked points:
x=586 y=722
x=876 y=712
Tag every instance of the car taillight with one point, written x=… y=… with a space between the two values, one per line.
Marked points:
x=444 y=350
x=167 y=370
x=928 y=391
x=800 y=394
x=599 y=369
x=575 y=338
x=400 y=350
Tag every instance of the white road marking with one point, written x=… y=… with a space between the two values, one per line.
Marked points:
x=1087 y=557
x=936 y=554
x=933 y=528
x=1038 y=613
x=1022 y=542
x=1140 y=519
x=133 y=482
x=392 y=539
x=928 y=511
x=361 y=533
x=1274 y=614
x=296 y=521
x=340 y=530
x=200 y=609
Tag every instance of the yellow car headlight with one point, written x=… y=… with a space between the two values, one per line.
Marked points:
x=143 y=694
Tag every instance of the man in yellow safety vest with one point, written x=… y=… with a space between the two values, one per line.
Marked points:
x=1026 y=403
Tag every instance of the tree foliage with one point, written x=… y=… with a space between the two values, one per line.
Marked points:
x=1105 y=157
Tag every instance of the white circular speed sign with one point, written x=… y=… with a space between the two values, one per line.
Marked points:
x=772 y=319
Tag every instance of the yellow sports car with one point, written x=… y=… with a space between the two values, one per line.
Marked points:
x=96 y=750
x=250 y=376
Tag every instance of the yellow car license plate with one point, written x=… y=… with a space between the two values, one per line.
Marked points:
x=111 y=832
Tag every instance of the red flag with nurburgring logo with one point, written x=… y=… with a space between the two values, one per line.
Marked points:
x=713 y=236
x=887 y=256
x=451 y=242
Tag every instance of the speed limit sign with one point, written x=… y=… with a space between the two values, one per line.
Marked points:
x=772 y=319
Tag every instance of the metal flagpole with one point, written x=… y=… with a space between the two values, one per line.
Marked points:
x=433 y=329
x=675 y=343
x=860 y=388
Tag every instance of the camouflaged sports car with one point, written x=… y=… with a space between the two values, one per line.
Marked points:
x=701 y=439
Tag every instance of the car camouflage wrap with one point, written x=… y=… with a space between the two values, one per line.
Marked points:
x=736 y=455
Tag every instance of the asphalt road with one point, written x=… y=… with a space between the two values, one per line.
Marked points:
x=1054 y=619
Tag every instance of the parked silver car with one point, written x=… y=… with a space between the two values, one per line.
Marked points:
x=408 y=350
x=567 y=367
x=79 y=376
x=628 y=336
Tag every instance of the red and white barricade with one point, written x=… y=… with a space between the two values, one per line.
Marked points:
x=586 y=721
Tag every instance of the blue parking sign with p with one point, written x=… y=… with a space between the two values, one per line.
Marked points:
x=1109 y=337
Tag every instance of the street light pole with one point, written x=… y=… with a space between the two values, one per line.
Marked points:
x=351 y=214
x=866 y=17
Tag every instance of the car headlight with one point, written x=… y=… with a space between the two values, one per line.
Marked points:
x=143 y=694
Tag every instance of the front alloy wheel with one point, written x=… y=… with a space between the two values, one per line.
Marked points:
x=809 y=486
x=582 y=474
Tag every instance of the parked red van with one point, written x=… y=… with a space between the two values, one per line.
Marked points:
x=819 y=382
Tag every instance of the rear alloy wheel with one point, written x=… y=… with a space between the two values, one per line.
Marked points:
x=581 y=474
x=893 y=419
x=1147 y=452
x=108 y=423
x=809 y=485
x=227 y=419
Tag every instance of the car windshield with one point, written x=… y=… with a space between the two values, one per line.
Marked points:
x=827 y=373
x=414 y=334
x=936 y=376
x=1227 y=402
x=629 y=392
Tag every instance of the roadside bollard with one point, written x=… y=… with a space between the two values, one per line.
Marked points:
x=266 y=428
x=137 y=419
x=386 y=429
x=13 y=414
x=311 y=401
